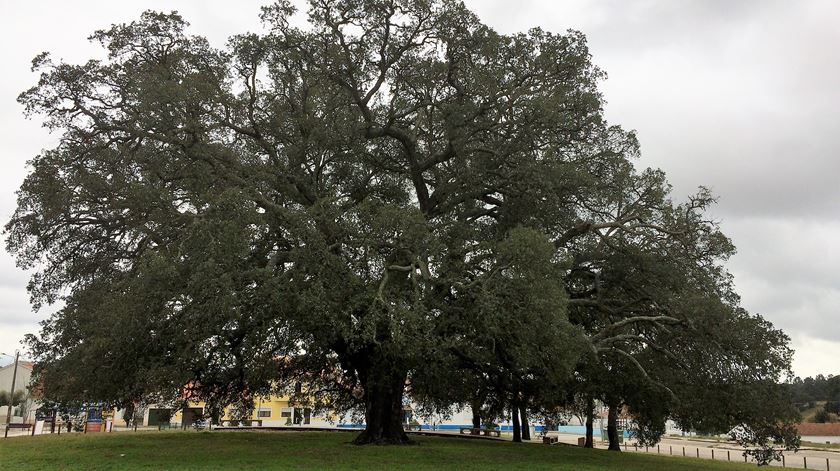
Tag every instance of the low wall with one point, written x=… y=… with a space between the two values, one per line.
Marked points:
x=573 y=429
x=821 y=438
x=819 y=433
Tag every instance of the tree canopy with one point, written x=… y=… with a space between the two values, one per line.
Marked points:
x=395 y=197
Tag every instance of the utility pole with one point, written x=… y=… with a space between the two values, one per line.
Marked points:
x=11 y=396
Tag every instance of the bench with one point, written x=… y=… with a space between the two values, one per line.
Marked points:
x=21 y=426
x=240 y=422
x=479 y=431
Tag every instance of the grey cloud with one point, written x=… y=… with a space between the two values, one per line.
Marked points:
x=814 y=356
x=787 y=251
x=10 y=275
x=740 y=96
x=787 y=270
x=15 y=308
x=800 y=308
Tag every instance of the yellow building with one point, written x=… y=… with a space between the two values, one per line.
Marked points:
x=272 y=411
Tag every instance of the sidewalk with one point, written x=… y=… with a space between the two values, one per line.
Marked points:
x=695 y=448
x=721 y=451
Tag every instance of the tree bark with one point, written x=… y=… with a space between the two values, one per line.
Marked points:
x=590 y=417
x=383 y=393
x=476 y=415
x=526 y=429
x=517 y=432
x=612 y=428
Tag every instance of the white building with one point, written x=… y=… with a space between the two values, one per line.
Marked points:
x=26 y=411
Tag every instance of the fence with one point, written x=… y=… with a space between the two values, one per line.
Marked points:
x=59 y=428
x=806 y=459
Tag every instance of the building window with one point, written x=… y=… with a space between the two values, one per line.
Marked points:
x=286 y=412
x=262 y=413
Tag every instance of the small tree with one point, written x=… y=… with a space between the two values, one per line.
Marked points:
x=11 y=400
x=164 y=415
x=139 y=414
x=243 y=410
x=78 y=420
x=822 y=416
x=128 y=414
x=766 y=443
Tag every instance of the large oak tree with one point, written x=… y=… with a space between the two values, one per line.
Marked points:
x=396 y=195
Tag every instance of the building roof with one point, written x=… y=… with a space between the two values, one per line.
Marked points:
x=819 y=430
x=21 y=364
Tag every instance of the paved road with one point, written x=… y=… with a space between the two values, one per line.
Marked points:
x=723 y=451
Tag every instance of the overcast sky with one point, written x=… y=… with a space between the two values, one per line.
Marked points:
x=739 y=96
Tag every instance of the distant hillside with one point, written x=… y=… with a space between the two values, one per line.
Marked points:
x=810 y=413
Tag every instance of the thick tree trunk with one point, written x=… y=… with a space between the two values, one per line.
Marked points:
x=383 y=408
x=476 y=415
x=612 y=428
x=517 y=432
x=526 y=429
x=590 y=417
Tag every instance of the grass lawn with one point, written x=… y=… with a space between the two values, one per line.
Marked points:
x=311 y=450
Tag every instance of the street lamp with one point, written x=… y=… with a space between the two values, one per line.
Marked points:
x=11 y=393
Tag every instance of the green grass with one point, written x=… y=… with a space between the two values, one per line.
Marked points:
x=826 y=446
x=312 y=450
